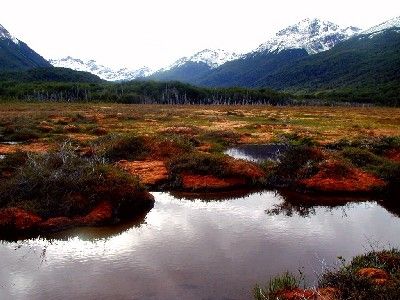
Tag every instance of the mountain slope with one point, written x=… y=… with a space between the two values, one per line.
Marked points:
x=307 y=37
x=191 y=69
x=49 y=75
x=103 y=72
x=365 y=60
x=16 y=55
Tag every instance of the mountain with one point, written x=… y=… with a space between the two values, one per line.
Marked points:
x=16 y=55
x=312 y=35
x=392 y=23
x=103 y=72
x=189 y=69
x=307 y=37
x=365 y=67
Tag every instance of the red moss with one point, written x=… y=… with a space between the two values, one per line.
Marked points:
x=245 y=169
x=328 y=179
x=55 y=224
x=18 y=219
x=328 y=293
x=377 y=276
x=150 y=172
x=296 y=294
x=209 y=182
x=101 y=214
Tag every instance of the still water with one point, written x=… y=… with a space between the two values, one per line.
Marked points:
x=187 y=248
x=257 y=152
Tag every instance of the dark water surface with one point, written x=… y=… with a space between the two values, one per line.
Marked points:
x=193 y=249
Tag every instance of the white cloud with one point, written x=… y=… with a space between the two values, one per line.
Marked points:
x=156 y=32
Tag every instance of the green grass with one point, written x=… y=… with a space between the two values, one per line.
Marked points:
x=286 y=281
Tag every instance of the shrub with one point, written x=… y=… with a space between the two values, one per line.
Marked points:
x=298 y=162
x=200 y=163
x=19 y=135
x=64 y=184
x=127 y=146
x=361 y=157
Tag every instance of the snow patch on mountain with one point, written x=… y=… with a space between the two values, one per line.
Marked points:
x=211 y=57
x=395 y=22
x=5 y=35
x=312 y=35
x=103 y=72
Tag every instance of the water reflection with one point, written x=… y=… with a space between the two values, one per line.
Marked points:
x=192 y=249
x=257 y=153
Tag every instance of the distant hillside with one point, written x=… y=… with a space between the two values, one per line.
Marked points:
x=50 y=75
x=16 y=55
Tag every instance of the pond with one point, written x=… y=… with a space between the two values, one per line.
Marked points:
x=257 y=152
x=187 y=248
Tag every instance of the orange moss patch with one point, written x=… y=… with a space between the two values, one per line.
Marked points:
x=204 y=148
x=209 y=182
x=149 y=172
x=328 y=293
x=54 y=224
x=351 y=180
x=377 y=276
x=164 y=150
x=101 y=214
x=245 y=169
x=60 y=119
x=18 y=219
x=296 y=294
x=182 y=130
x=82 y=137
x=33 y=147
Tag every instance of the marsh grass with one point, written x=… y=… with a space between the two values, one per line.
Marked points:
x=353 y=286
x=61 y=183
x=286 y=281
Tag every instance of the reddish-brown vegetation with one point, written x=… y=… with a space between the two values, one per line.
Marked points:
x=377 y=276
x=334 y=177
x=150 y=173
x=209 y=182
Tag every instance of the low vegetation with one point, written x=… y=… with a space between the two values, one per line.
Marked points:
x=183 y=149
x=375 y=275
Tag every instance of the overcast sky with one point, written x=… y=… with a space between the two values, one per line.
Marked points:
x=155 y=33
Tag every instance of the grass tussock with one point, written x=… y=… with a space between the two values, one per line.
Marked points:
x=357 y=280
x=286 y=281
x=354 y=286
x=62 y=183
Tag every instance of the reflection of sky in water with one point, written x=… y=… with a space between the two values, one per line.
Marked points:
x=193 y=249
x=256 y=153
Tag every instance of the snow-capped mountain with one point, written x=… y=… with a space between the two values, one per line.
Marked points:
x=5 y=35
x=312 y=35
x=211 y=57
x=15 y=55
x=395 y=22
x=103 y=72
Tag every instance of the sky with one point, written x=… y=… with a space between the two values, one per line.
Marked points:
x=154 y=33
